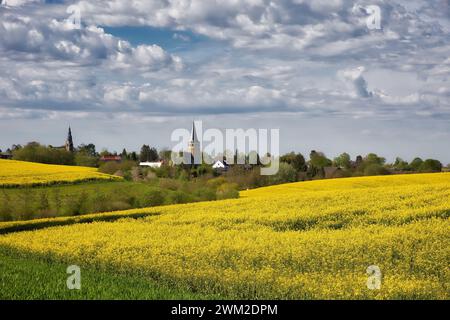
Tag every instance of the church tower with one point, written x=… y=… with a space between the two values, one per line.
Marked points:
x=194 y=147
x=69 y=142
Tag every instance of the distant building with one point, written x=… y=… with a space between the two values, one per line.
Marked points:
x=110 y=158
x=194 y=146
x=157 y=164
x=331 y=172
x=6 y=155
x=69 y=142
x=68 y=145
x=220 y=165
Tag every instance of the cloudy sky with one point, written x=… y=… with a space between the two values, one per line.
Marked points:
x=132 y=71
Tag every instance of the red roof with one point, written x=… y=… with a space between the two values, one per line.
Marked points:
x=111 y=158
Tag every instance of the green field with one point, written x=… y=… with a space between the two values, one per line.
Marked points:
x=67 y=200
x=27 y=203
x=24 y=278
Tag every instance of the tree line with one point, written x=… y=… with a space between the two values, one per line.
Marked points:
x=293 y=166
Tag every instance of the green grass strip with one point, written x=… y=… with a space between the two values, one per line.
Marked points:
x=25 y=278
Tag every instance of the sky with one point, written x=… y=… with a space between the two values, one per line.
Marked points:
x=123 y=73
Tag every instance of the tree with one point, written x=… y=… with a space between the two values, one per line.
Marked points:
x=286 y=173
x=431 y=165
x=134 y=156
x=124 y=154
x=35 y=152
x=203 y=169
x=87 y=149
x=416 y=163
x=148 y=154
x=375 y=169
x=297 y=161
x=105 y=153
x=85 y=160
x=165 y=154
x=15 y=147
x=372 y=158
x=145 y=153
x=343 y=161
x=154 y=154
x=288 y=157
x=253 y=158
x=317 y=162
x=400 y=164
x=359 y=161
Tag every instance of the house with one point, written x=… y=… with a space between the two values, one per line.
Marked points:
x=110 y=158
x=5 y=155
x=220 y=165
x=331 y=172
x=156 y=164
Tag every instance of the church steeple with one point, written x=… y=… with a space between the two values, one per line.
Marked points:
x=69 y=142
x=194 y=146
x=194 y=138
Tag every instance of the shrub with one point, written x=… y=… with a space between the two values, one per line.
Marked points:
x=113 y=167
x=100 y=202
x=216 y=182
x=35 y=152
x=227 y=191
x=77 y=205
x=286 y=173
x=85 y=160
x=5 y=208
x=375 y=169
x=205 y=194
x=177 y=197
x=119 y=205
x=154 y=198
x=170 y=184
x=44 y=204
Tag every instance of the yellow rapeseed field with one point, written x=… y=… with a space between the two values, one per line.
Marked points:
x=307 y=240
x=19 y=173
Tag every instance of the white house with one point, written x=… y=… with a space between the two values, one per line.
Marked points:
x=220 y=165
x=151 y=164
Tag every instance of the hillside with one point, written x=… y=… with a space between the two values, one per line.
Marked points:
x=310 y=240
x=20 y=173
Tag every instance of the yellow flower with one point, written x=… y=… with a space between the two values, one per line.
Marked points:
x=294 y=241
x=19 y=173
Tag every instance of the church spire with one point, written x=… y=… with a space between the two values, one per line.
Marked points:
x=194 y=147
x=194 y=138
x=69 y=141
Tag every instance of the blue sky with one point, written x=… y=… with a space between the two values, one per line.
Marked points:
x=171 y=40
x=135 y=70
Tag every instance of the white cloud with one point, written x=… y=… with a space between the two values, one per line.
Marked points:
x=355 y=77
x=18 y=3
x=39 y=39
x=287 y=56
